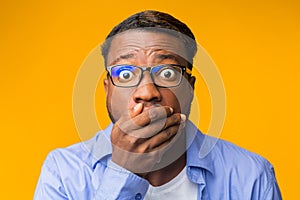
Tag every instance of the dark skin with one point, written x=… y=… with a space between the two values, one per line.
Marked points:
x=148 y=135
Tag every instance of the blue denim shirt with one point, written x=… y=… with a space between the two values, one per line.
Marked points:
x=222 y=170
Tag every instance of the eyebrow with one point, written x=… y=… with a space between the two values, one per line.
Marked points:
x=158 y=56
x=123 y=57
x=168 y=57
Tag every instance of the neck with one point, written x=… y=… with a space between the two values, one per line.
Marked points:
x=164 y=175
x=160 y=176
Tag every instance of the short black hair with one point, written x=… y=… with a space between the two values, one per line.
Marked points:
x=154 y=19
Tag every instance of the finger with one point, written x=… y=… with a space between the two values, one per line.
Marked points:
x=163 y=136
x=174 y=119
x=161 y=140
x=152 y=115
x=175 y=139
x=154 y=127
x=142 y=119
x=157 y=126
x=137 y=109
x=126 y=117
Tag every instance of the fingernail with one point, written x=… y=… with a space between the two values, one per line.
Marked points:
x=137 y=106
x=182 y=117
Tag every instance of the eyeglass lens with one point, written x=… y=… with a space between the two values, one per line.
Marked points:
x=162 y=75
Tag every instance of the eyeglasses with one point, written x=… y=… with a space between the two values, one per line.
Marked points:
x=165 y=75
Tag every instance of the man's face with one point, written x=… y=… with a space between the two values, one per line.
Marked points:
x=146 y=49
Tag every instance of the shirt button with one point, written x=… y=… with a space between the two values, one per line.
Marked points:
x=138 y=196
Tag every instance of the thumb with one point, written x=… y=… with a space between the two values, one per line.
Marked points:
x=137 y=109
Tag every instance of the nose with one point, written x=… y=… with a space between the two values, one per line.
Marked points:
x=146 y=91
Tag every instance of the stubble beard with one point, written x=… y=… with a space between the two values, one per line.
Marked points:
x=109 y=110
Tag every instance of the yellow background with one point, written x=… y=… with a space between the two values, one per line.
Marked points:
x=255 y=44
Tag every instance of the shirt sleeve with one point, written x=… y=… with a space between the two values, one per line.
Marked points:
x=273 y=192
x=119 y=183
x=49 y=184
x=265 y=186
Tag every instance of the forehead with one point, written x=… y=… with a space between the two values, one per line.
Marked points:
x=145 y=43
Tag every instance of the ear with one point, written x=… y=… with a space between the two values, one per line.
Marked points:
x=105 y=84
x=192 y=81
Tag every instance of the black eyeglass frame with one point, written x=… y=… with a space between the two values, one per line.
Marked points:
x=184 y=69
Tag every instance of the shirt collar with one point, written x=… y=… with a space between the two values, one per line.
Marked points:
x=199 y=147
x=99 y=146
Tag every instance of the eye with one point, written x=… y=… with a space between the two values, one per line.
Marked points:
x=125 y=75
x=168 y=74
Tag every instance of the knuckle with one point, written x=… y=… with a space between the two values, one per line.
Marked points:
x=167 y=133
x=152 y=113
x=144 y=149
x=175 y=117
x=178 y=117
x=168 y=110
x=144 y=118
x=133 y=141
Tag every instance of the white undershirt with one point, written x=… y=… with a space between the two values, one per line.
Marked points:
x=179 y=188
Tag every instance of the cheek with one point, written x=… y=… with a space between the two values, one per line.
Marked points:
x=182 y=98
x=119 y=100
x=170 y=98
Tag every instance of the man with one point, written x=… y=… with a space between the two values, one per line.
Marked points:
x=151 y=150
